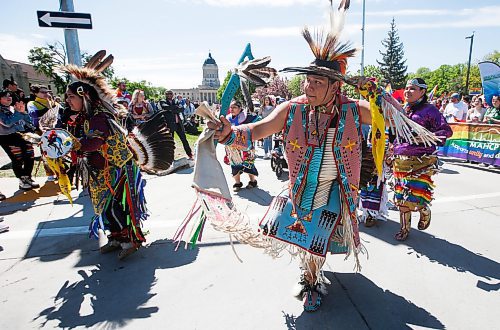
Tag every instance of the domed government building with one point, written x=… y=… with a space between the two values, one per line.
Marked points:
x=210 y=83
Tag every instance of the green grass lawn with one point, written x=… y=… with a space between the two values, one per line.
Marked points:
x=179 y=150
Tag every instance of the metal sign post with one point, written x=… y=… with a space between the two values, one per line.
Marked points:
x=67 y=19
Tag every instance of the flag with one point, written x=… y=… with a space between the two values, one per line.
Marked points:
x=433 y=91
x=490 y=77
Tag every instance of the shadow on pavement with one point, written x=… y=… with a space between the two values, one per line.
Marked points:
x=114 y=292
x=47 y=189
x=24 y=200
x=439 y=250
x=188 y=170
x=60 y=245
x=376 y=307
x=285 y=176
x=448 y=171
x=256 y=195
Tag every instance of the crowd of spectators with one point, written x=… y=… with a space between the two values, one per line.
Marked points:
x=469 y=109
x=178 y=112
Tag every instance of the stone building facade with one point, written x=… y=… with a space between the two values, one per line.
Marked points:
x=210 y=83
x=24 y=74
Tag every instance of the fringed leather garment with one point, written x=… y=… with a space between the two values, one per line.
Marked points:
x=292 y=218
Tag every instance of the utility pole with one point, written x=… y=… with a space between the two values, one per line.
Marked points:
x=71 y=36
x=362 y=70
x=471 y=37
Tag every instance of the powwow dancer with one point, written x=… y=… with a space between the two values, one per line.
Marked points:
x=106 y=155
x=317 y=214
x=414 y=164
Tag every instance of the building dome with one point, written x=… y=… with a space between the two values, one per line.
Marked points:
x=209 y=60
x=210 y=73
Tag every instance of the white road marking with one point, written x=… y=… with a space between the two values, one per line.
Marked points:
x=80 y=230
x=174 y=223
x=465 y=198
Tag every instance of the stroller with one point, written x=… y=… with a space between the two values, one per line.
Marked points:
x=278 y=161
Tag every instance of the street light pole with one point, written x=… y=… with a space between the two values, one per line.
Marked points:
x=471 y=37
x=362 y=70
x=71 y=36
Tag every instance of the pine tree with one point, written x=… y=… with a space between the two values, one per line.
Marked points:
x=393 y=65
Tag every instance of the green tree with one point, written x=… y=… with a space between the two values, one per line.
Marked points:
x=393 y=63
x=474 y=79
x=424 y=73
x=296 y=85
x=151 y=92
x=494 y=56
x=371 y=71
x=448 y=78
x=47 y=59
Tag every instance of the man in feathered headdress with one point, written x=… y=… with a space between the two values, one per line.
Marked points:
x=322 y=130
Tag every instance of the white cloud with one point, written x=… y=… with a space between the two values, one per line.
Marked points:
x=465 y=18
x=38 y=36
x=269 y=3
x=260 y=3
x=411 y=12
x=288 y=31
x=488 y=10
x=15 y=48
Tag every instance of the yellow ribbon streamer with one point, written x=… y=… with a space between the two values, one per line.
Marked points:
x=371 y=92
x=57 y=166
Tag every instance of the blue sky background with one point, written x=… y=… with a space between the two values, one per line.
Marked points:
x=166 y=41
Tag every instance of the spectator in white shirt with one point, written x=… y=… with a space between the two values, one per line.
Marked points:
x=456 y=110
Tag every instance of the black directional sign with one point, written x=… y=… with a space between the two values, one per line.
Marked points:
x=64 y=19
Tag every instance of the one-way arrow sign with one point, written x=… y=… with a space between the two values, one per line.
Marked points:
x=64 y=19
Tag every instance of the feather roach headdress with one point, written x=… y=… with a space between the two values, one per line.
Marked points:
x=90 y=75
x=151 y=142
x=330 y=53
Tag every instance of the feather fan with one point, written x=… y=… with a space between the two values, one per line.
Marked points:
x=152 y=144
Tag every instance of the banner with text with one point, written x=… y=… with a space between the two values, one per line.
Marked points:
x=490 y=77
x=474 y=142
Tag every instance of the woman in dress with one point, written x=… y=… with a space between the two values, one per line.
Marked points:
x=139 y=109
x=414 y=164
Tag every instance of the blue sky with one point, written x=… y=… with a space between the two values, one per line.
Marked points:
x=166 y=41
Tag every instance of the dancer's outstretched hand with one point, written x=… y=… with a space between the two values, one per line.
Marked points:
x=222 y=128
